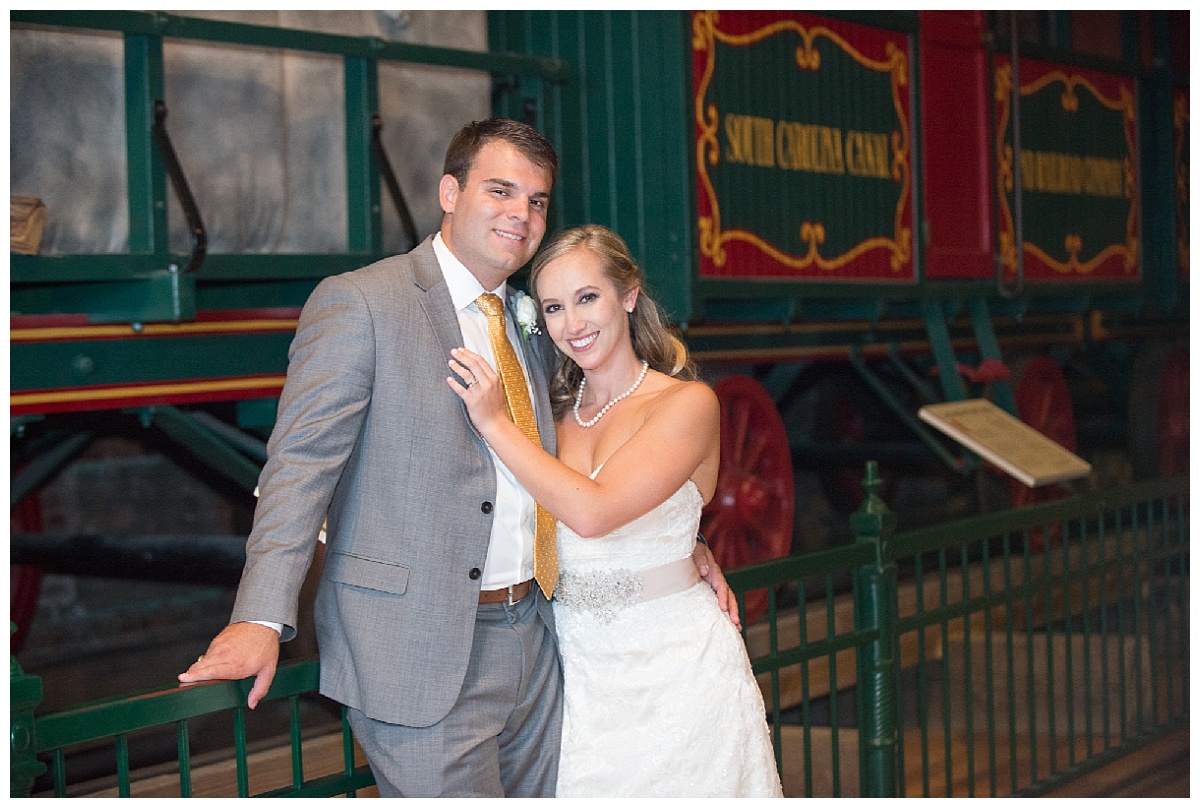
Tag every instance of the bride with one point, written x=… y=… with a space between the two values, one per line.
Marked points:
x=660 y=698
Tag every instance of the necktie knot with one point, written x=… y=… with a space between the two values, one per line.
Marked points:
x=490 y=304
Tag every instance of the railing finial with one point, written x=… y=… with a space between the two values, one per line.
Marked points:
x=873 y=521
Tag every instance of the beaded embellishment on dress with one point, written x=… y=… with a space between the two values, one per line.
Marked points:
x=604 y=593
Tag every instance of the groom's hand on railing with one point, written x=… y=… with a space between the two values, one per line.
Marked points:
x=709 y=570
x=240 y=650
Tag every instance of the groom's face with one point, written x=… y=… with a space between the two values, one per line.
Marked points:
x=496 y=219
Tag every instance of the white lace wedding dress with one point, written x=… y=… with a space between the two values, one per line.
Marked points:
x=660 y=698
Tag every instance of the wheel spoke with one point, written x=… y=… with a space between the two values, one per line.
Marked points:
x=739 y=417
x=755 y=448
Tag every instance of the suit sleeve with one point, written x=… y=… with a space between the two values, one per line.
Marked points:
x=331 y=366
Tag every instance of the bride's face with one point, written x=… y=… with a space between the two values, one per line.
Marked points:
x=586 y=316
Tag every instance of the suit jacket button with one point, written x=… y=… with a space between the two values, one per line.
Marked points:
x=486 y=507
x=475 y=573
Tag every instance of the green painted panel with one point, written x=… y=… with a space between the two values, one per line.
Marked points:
x=621 y=130
x=667 y=243
x=157 y=297
x=257 y=413
x=262 y=295
x=59 y=365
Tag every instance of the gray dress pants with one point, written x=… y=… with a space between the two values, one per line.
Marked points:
x=501 y=738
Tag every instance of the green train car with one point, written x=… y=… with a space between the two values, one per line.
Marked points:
x=849 y=215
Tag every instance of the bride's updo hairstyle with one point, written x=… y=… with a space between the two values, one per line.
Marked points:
x=653 y=340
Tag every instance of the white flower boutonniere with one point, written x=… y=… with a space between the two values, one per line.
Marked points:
x=526 y=315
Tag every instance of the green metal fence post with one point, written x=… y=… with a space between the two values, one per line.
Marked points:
x=24 y=694
x=875 y=611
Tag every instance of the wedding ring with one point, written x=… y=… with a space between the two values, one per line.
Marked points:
x=471 y=383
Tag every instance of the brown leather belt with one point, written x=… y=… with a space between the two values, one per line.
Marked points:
x=509 y=594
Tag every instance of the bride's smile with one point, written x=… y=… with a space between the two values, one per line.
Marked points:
x=588 y=319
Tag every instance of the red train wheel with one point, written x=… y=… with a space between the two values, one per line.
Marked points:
x=1044 y=402
x=1174 y=419
x=25 y=580
x=751 y=515
x=1159 y=419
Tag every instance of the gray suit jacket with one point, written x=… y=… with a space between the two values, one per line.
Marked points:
x=370 y=435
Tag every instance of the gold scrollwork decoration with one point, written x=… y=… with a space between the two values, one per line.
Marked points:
x=1008 y=249
x=1071 y=84
x=1005 y=175
x=710 y=245
x=813 y=234
x=1073 y=266
x=705 y=34
x=808 y=57
x=703 y=25
x=1003 y=80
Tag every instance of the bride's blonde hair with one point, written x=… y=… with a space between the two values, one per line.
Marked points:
x=653 y=340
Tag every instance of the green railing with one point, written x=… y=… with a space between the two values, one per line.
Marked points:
x=115 y=722
x=999 y=655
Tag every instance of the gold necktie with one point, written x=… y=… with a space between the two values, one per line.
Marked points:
x=520 y=409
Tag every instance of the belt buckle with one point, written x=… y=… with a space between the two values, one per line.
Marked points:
x=511 y=602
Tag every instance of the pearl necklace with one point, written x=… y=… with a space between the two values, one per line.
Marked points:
x=608 y=406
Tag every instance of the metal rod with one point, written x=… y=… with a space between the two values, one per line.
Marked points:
x=1018 y=229
x=208 y=559
x=924 y=390
x=250 y=445
x=881 y=389
x=204 y=444
x=46 y=465
x=389 y=179
x=180 y=184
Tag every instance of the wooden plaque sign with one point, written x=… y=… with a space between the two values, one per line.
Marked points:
x=1006 y=441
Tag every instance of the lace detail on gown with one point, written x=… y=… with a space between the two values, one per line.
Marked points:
x=660 y=698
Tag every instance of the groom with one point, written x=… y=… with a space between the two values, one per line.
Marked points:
x=429 y=626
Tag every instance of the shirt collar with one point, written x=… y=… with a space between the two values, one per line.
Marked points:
x=464 y=287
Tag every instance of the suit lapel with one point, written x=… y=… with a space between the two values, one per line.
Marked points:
x=435 y=298
x=538 y=382
x=541 y=388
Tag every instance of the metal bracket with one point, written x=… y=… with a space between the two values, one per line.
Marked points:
x=180 y=184
x=389 y=179
x=204 y=443
x=911 y=421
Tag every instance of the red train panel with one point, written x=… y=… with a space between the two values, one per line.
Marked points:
x=955 y=146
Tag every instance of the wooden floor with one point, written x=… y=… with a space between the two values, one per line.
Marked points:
x=1162 y=769
x=1158 y=763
